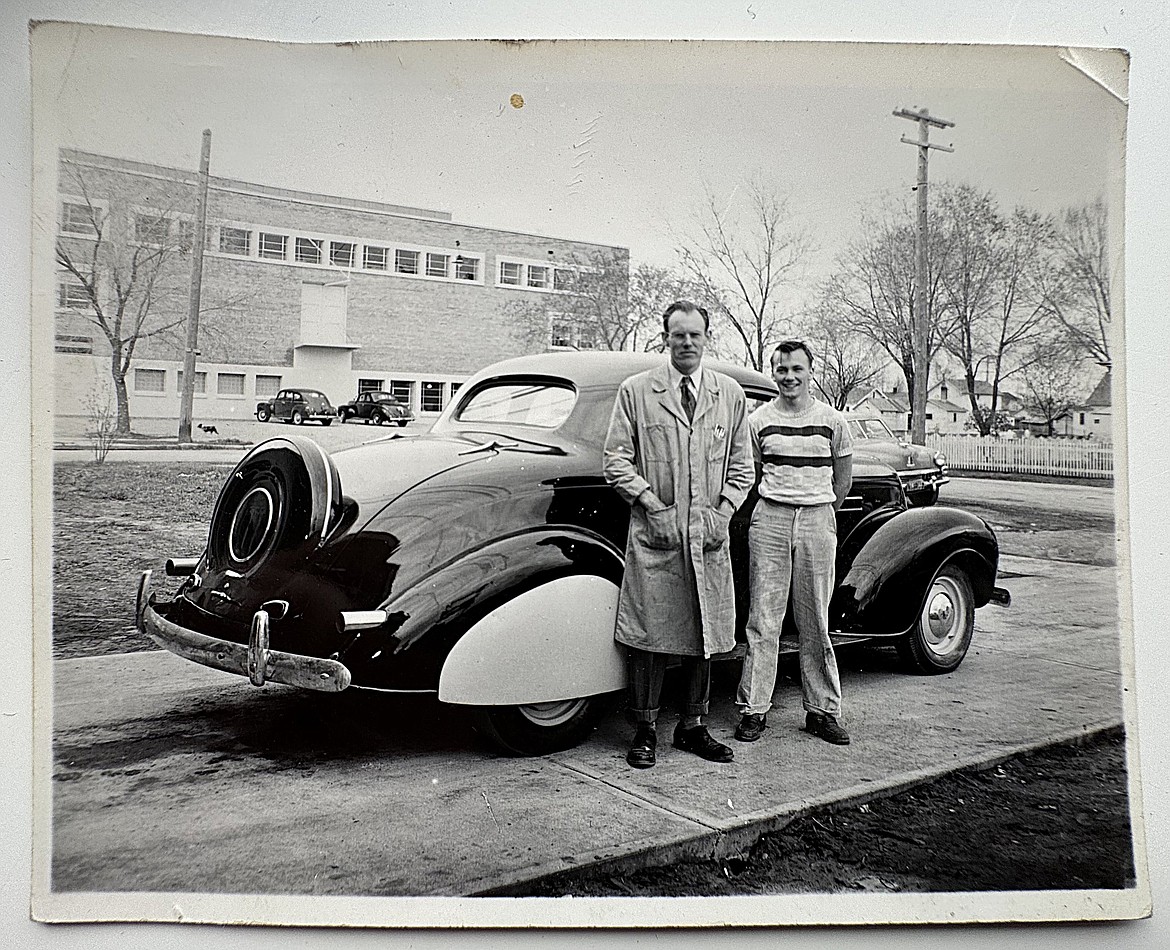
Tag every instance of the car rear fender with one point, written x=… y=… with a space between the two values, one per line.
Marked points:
x=573 y=577
x=550 y=642
x=882 y=590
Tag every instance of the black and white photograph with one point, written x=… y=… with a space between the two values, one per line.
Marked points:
x=582 y=483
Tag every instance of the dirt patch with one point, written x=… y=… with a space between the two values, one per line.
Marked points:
x=1055 y=819
x=110 y=523
x=1065 y=535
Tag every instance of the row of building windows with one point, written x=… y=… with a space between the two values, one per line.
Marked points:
x=154 y=381
x=82 y=219
x=439 y=264
x=433 y=395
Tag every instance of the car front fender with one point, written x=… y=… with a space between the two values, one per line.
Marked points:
x=882 y=590
x=475 y=594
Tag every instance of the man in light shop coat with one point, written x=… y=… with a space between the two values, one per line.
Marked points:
x=679 y=451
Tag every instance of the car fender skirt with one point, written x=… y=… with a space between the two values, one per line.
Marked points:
x=551 y=642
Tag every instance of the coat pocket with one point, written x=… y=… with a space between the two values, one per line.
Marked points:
x=661 y=529
x=716 y=529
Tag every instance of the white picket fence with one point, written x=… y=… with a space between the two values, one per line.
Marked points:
x=1069 y=457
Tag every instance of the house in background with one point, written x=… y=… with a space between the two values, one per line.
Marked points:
x=943 y=417
x=1093 y=419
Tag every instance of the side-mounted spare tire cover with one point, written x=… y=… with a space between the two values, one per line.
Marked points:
x=281 y=501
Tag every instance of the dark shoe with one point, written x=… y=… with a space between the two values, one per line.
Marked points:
x=825 y=727
x=641 y=754
x=751 y=727
x=698 y=740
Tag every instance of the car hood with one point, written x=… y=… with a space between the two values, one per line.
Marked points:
x=898 y=456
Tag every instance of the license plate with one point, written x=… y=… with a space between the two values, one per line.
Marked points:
x=915 y=484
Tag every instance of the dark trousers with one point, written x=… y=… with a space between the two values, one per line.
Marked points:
x=645 y=671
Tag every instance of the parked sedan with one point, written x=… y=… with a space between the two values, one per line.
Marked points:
x=376 y=407
x=481 y=562
x=921 y=470
x=297 y=406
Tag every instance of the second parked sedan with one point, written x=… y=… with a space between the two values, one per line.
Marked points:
x=920 y=469
x=377 y=407
x=297 y=406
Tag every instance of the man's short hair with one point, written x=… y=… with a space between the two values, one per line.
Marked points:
x=791 y=346
x=685 y=306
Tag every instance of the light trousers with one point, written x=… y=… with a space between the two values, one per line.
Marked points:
x=792 y=548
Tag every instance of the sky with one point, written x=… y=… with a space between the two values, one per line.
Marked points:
x=615 y=143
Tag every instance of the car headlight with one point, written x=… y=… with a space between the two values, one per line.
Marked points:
x=940 y=460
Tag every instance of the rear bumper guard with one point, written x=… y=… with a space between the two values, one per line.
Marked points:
x=253 y=659
x=1000 y=597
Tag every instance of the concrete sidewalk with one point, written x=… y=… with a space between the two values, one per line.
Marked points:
x=162 y=767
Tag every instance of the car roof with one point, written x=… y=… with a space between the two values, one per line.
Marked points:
x=604 y=367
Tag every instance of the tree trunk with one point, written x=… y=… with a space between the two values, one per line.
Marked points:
x=123 y=400
x=982 y=419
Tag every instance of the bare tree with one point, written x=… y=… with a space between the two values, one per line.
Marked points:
x=742 y=253
x=1055 y=381
x=872 y=289
x=845 y=360
x=128 y=280
x=602 y=305
x=1077 y=293
x=991 y=287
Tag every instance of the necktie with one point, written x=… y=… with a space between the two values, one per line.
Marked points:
x=688 y=398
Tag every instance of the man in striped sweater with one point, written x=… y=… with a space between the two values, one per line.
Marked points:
x=805 y=456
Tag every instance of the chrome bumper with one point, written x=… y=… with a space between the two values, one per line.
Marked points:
x=254 y=659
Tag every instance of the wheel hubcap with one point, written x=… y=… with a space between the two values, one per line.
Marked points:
x=944 y=617
x=552 y=714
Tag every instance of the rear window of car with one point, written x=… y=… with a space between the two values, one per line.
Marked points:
x=544 y=405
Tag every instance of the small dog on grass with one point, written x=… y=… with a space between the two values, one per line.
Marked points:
x=210 y=430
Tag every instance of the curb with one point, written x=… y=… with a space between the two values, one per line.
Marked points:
x=723 y=844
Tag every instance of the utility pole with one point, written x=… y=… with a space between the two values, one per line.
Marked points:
x=920 y=328
x=192 y=349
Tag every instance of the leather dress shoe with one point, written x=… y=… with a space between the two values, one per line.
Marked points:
x=698 y=740
x=751 y=727
x=642 y=749
x=825 y=727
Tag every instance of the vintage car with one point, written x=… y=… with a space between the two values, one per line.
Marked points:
x=376 y=407
x=921 y=470
x=297 y=406
x=480 y=562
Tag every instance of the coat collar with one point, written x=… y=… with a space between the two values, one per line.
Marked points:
x=706 y=399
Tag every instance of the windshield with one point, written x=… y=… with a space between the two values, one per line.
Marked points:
x=540 y=404
x=871 y=429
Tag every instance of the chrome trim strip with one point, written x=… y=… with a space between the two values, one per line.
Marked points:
x=328 y=489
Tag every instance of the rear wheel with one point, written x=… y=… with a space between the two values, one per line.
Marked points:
x=540 y=728
x=263 y=414
x=345 y=415
x=298 y=417
x=942 y=634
